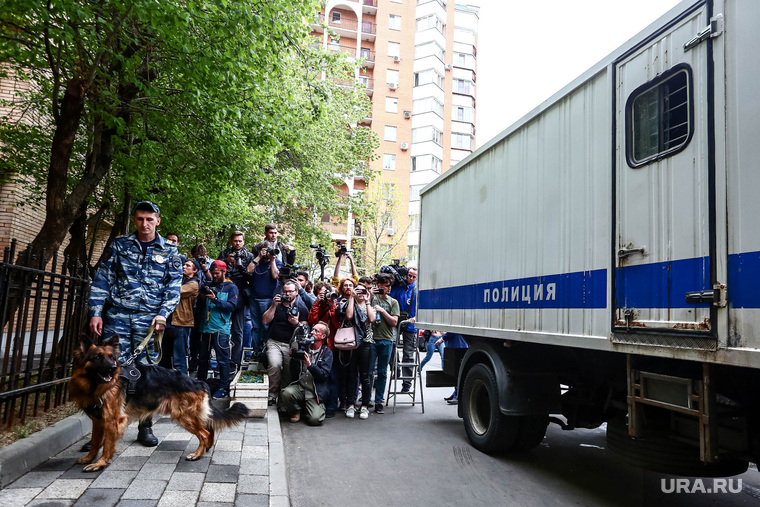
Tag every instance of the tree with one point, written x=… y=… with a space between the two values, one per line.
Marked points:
x=380 y=215
x=214 y=109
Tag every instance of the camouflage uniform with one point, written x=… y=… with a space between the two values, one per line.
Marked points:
x=137 y=287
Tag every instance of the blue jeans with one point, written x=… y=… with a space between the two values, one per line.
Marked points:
x=257 y=308
x=431 y=350
x=221 y=344
x=381 y=351
x=181 y=344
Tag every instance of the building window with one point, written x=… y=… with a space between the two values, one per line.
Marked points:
x=394 y=22
x=325 y=217
x=392 y=76
x=461 y=141
x=334 y=44
x=463 y=86
x=335 y=17
x=414 y=222
x=414 y=192
x=391 y=105
x=394 y=49
x=427 y=105
x=426 y=162
x=429 y=49
x=659 y=117
x=464 y=114
x=431 y=21
x=428 y=76
x=390 y=133
x=389 y=162
x=414 y=252
x=389 y=190
x=424 y=134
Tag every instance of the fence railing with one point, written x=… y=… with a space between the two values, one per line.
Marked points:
x=43 y=309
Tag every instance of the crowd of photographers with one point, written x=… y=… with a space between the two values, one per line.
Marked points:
x=327 y=346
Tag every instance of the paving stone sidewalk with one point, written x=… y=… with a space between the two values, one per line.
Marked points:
x=245 y=467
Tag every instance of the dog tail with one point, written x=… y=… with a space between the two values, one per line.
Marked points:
x=221 y=419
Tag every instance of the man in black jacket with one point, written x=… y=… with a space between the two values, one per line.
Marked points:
x=237 y=259
x=309 y=391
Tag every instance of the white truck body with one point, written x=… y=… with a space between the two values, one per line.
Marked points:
x=620 y=216
x=521 y=239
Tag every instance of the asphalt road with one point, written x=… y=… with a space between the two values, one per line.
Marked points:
x=410 y=458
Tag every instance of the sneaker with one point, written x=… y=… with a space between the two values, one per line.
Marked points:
x=379 y=408
x=350 y=412
x=405 y=389
x=370 y=405
x=330 y=414
x=363 y=413
x=452 y=401
x=221 y=393
x=450 y=397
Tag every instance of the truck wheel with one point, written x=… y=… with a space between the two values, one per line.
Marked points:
x=665 y=455
x=488 y=429
x=531 y=433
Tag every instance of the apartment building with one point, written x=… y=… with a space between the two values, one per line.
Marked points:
x=419 y=68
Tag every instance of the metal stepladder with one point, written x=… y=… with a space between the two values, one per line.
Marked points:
x=397 y=373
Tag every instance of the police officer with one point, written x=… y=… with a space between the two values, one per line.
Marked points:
x=140 y=280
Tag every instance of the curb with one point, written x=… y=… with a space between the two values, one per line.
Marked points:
x=23 y=455
x=278 y=477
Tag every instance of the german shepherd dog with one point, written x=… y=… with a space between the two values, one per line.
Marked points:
x=97 y=389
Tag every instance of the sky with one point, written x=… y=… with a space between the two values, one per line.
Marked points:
x=530 y=49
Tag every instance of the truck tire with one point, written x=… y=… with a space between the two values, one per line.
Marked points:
x=531 y=433
x=488 y=429
x=659 y=453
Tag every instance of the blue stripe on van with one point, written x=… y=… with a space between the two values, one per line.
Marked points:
x=744 y=280
x=657 y=285
x=583 y=289
x=662 y=284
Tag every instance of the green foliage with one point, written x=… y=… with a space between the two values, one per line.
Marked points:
x=217 y=111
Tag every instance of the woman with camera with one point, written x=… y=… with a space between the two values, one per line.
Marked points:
x=356 y=313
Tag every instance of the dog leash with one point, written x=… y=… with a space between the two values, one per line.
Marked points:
x=156 y=346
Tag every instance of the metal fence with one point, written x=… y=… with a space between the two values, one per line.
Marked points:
x=43 y=310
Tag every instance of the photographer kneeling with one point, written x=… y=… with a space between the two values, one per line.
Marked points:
x=310 y=389
x=283 y=317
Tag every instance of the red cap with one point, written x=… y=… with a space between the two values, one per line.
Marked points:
x=219 y=265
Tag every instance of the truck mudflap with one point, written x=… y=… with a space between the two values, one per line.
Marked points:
x=524 y=387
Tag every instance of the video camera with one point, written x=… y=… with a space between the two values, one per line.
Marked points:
x=304 y=341
x=289 y=271
x=398 y=272
x=342 y=250
x=238 y=260
x=321 y=254
x=205 y=290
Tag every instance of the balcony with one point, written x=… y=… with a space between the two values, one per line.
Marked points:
x=369 y=6
x=368 y=82
x=369 y=57
x=345 y=27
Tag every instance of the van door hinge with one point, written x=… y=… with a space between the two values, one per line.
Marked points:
x=714 y=29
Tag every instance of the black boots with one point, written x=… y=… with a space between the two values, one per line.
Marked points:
x=145 y=434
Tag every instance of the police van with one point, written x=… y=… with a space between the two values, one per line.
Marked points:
x=617 y=255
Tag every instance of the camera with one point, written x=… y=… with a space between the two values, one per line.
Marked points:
x=205 y=290
x=381 y=291
x=342 y=250
x=286 y=299
x=321 y=254
x=289 y=271
x=293 y=311
x=273 y=252
x=238 y=259
x=304 y=341
x=200 y=260
x=398 y=271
